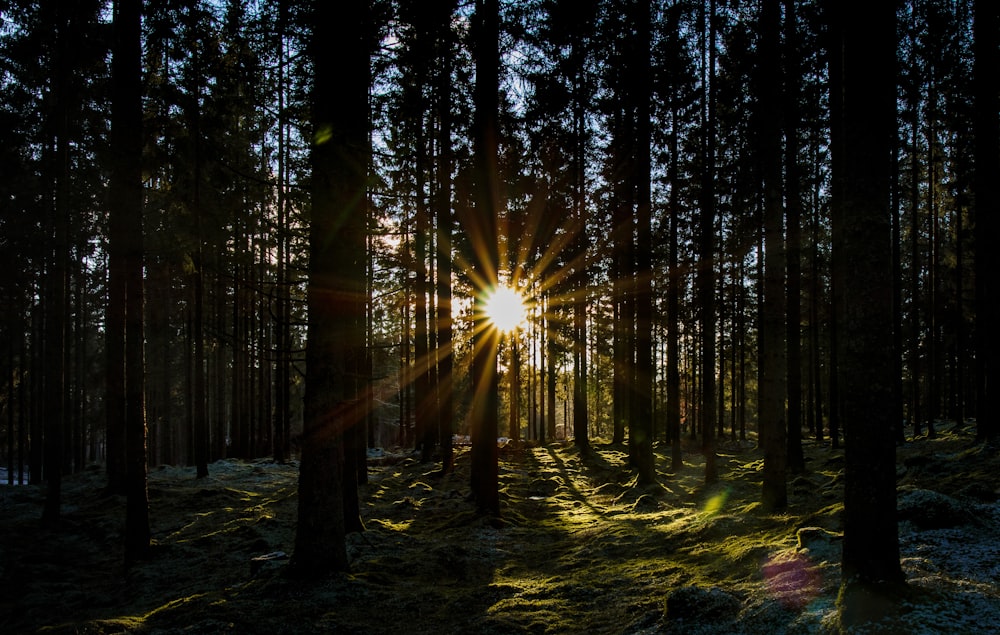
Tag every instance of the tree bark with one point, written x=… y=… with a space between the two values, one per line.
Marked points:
x=334 y=403
x=642 y=425
x=445 y=229
x=482 y=231
x=706 y=255
x=772 y=328
x=126 y=198
x=862 y=234
x=987 y=227
x=793 y=243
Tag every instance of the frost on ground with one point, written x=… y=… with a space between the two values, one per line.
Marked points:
x=581 y=548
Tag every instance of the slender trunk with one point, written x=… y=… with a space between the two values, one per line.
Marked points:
x=56 y=280
x=673 y=305
x=127 y=195
x=772 y=333
x=642 y=424
x=445 y=223
x=580 y=301
x=934 y=357
x=987 y=231
x=482 y=231
x=706 y=254
x=793 y=243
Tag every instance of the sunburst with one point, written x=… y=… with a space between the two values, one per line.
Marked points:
x=505 y=308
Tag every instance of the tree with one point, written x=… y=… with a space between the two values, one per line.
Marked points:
x=771 y=402
x=706 y=249
x=676 y=92
x=126 y=272
x=642 y=389
x=445 y=228
x=987 y=166
x=793 y=240
x=862 y=233
x=481 y=228
x=340 y=50
x=65 y=22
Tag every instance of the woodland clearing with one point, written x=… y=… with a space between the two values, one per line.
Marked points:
x=580 y=548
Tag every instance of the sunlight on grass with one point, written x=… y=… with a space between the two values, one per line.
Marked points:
x=390 y=525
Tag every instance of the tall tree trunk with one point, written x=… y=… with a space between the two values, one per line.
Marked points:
x=54 y=407
x=623 y=253
x=673 y=303
x=445 y=224
x=772 y=344
x=481 y=229
x=987 y=227
x=897 y=295
x=835 y=55
x=706 y=255
x=815 y=302
x=935 y=364
x=126 y=213
x=340 y=49
x=581 y=437
x=199 y=429
x=642 y=425
x=916 y=410
x=425 y=432
x=793 y=242
x=282 y=308
x=861 y=239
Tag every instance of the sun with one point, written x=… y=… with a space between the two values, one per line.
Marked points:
x=505 y=309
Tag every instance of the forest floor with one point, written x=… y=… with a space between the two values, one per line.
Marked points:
x=580 y=549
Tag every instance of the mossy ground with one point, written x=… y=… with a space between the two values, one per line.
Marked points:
x=580 y=548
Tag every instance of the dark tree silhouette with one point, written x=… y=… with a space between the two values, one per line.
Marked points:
x=987 y=128
x=443 y=10
x=772 y=336
x=642 y=389
x=126 y=245
x=481 y=229
x=706 y=254
x=862 y=233
x=334 y=351
x=793 y=240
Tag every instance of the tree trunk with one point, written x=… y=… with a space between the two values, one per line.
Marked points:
x=835 y=55
x=706 y=255
x=987 y=228
x=340 y=50
x=772 y=344
x=581 y=436
x=54 y=407
x=673 y=305
x=642 y=425
x=481 y=229
x=445 y=224
x=126 y=213
x=793 y=243
x=861 y=238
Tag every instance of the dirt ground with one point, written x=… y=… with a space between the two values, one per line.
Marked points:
x=580 y=549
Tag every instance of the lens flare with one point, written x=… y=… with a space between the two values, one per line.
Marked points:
x=715 y=504
x=505 y=309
